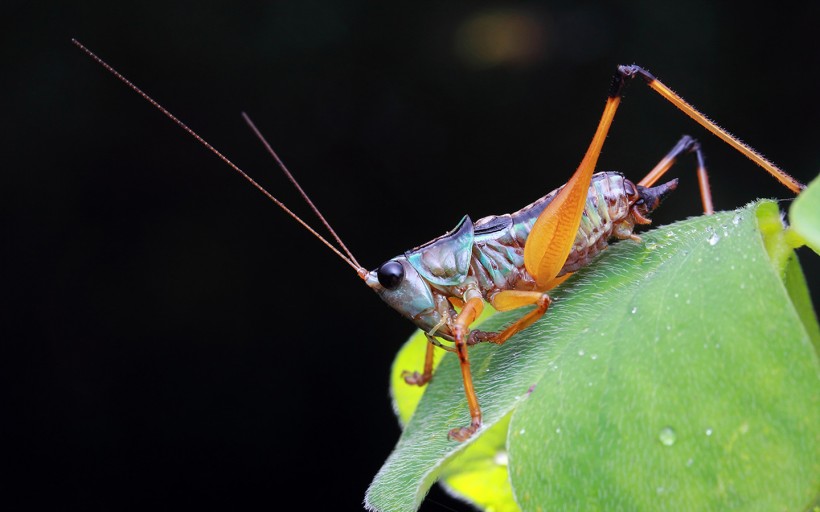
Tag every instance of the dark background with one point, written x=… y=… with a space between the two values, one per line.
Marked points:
x=172 y=339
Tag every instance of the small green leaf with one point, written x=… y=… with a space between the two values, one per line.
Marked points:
x=795 y=283
x=673 y=374
x=804 y=215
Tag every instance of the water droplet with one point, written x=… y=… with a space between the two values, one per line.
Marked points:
x=581 y=352
x=501 y=458
x=667 y=436
x=558 y=430
x=742 y=286
x=688 y=301
x=651 y=246
x=690 y=462
x=736 y=220
x=714 y=239
x=677 y=295
x=593 y=356
x=708 y=431
x=521 y=432
x=634 y=310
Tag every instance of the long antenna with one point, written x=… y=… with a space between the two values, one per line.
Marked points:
x=287 y=172
x=349 y=260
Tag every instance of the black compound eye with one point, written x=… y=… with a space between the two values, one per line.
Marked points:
x=390 y=274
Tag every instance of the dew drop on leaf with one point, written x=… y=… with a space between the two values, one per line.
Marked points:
x=667 y=436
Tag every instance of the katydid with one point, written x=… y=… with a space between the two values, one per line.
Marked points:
x=512 y=260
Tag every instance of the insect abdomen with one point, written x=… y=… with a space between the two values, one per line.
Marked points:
x=607 y=206
x=498 y=252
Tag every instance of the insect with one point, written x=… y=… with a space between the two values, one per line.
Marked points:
x=513 y=260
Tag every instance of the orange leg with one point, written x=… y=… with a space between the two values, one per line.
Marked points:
x=542 y=302
x=472 y=309
x=504 y=300
x=420 y=379
x=685 y=145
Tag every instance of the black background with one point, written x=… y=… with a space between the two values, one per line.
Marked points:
x=171 y=339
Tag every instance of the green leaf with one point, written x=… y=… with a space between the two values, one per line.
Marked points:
x=673 y=374
x=798 y=292
x=804 y=215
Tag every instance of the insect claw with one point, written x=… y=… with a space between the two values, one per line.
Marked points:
x=463 y=433
x=415 y=378
x=475 y=337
